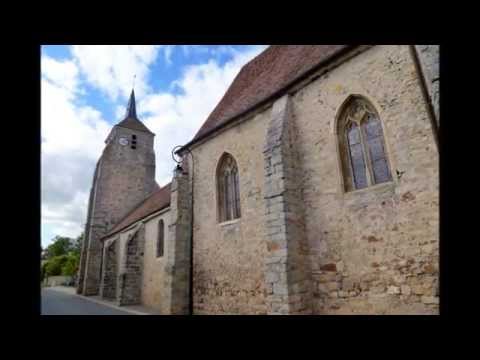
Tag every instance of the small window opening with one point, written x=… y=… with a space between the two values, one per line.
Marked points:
x=160 y=238
x=228 y=189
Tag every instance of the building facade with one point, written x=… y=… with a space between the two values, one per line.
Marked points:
x=312 y=188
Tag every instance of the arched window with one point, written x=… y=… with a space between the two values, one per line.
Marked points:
x=160 y=238
x=362 y=147
x=228 y=189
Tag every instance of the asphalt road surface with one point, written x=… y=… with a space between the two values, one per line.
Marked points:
x=56 y=302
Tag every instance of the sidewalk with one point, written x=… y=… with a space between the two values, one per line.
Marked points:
x=133 y=309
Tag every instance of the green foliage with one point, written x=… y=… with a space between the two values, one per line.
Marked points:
x=77 y=244
x=54 y=265
x=61 y=246
x=70 y=267
x=62 y=257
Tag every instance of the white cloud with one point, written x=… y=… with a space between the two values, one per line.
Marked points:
x=64 y=74
x=73 y=136
x=67 y=218
x=214 y=50
x=111 y=68
x=72 y=141
x=168 y=50
x=176 y=118
x=192 y=49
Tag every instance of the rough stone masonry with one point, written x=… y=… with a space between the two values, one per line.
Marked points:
x=303 y=243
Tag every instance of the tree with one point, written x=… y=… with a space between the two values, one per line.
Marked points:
x=54 y=265
x=61 y=246
x=77 y=244
x=62 y=256
x=70 y=267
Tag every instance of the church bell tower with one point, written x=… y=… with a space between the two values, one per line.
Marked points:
x=123 y=178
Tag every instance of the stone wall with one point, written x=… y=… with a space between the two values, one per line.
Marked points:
x=85 y=242
x=154 y=292
x=303 y=245
x=124 y=178
x=59 y=280
x=132 y=273
x=429 y=59
x=130 y=278
x=178 y=251
x=288 y=276
x=375 y=250
x=229 y=268
x=108 y=288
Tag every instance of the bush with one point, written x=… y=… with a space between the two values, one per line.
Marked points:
x=61 y=257
x=70 y=266
x=54 y=265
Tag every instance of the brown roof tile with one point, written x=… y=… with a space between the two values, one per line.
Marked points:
x=158 y=200
x=269 y=72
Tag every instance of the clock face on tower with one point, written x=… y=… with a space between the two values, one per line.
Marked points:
x=123 y=141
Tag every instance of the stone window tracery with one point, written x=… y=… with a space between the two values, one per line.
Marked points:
x=228 y=189
x=362 y=146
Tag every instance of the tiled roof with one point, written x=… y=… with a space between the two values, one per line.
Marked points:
x=159 y=200
x=134 y=124
x=271 y=71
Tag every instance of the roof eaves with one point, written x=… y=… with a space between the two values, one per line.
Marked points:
x=143 y=130
x=103 y=238
x=269 y=98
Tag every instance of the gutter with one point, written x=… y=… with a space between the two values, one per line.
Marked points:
x=271 y=97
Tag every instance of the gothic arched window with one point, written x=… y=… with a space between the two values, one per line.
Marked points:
x=362 y=147
x=228 y=189
x=160 y=238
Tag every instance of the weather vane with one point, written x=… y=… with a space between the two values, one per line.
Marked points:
x=134 y=76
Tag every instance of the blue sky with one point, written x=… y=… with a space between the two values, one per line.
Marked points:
x=84 y=93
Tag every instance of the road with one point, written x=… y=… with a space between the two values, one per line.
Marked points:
x=55 y=302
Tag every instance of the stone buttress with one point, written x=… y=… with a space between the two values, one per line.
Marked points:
x=287 y=271
x=179 y=253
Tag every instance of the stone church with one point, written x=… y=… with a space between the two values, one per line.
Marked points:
x=312 y=188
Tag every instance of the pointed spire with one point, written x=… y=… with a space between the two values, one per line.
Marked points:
x=131 y=121
x=131 y=107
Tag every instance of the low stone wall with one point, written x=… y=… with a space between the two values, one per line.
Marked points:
x=56 y=280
